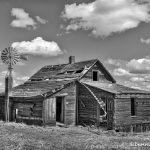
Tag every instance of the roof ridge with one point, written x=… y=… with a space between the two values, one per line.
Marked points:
x=73 y=63
x=87 y=60
x=54 y=65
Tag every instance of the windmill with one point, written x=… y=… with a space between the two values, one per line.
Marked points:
x=10 y=57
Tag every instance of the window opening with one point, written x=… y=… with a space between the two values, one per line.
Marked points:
x=95 y=75
x=133 y=107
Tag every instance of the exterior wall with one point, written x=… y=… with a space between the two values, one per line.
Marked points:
x=37 y=116
x=87 y=107
x=2 y=108
x=89 y=110
x=102 y=75
x=122 y=115
x=49 y=111
x=69 y=95
x=29 y=110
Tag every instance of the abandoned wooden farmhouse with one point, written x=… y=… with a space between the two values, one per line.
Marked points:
x=78 y=93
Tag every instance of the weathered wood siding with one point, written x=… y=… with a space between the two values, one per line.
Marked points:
x=29 y=110
x=49 y=111
x=122 y=115
x=2 y=108
x=69 y=95
x=87 y=106
x=110 y=113
x=103 y=77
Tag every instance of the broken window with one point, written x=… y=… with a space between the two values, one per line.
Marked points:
x=36 y=79
x=60 y=73
x=95 y=76
x=79 y=71
x=133 y=107
x=66 y=72
x=71 y=71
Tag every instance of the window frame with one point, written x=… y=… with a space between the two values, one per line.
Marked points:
x=97 y=75
x=133 y=112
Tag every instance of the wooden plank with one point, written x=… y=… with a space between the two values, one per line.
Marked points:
x=123 y=110
x=50 y=111
x=69 y=104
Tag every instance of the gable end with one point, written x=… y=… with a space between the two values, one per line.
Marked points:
x=102 y=74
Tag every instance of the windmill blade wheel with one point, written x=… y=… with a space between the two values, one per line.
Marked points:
x=10 y=56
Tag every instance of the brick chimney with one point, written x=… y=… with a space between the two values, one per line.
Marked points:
x=71 y=59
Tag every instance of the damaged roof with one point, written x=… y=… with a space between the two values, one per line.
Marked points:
x=30 y=89
x=115 y=88
x=52 y=77
x=62 y=71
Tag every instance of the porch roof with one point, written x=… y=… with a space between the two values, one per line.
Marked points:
x=115 y=88
x=36 y=88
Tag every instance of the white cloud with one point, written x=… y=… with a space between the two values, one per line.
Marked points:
x=113 y=62
x=104 y=17
x=1 y=87
x=121 y=72
x=133 y=66
x=116 y=62
x=139 y=66
x=130 y=68
x=137 y=79
x=23 y=20
x=3 y=74
x=17 y=79
x=22 y=78
x=146 y=41
x=134 y=73
x=42 y=21
x=38 y=47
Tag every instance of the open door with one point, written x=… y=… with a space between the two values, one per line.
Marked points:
x=60 y=109
x=49 y=111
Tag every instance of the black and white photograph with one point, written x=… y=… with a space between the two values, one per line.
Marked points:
x=74 y=74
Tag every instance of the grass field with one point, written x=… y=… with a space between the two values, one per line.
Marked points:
x=15 y=136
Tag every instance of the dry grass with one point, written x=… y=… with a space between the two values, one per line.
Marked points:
x=15 y=136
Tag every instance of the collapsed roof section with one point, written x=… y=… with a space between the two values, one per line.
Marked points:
x=68 y=71
x=31 y=89
x=62 y=71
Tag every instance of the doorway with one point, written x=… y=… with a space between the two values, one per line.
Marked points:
x=60 y=109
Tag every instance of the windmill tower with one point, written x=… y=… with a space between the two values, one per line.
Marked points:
x=10 y=57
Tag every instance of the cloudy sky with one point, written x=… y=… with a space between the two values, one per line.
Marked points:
x=117 y=32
